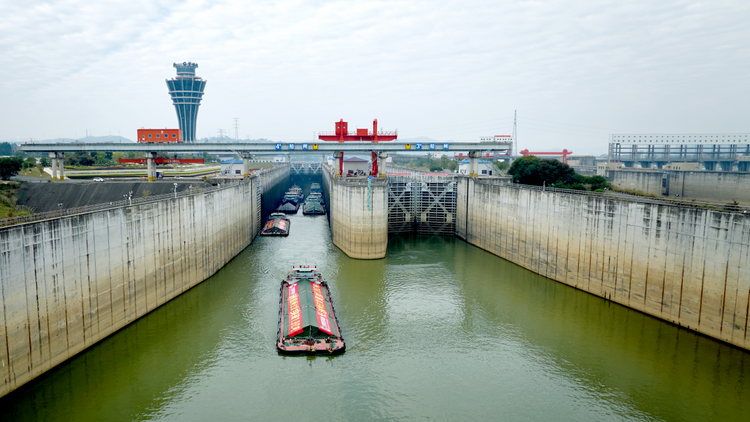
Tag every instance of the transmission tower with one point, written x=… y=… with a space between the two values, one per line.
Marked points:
x=236 y=128
x=221 y=134
x=514 y=150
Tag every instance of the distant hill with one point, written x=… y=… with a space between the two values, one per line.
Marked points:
x=225 y=140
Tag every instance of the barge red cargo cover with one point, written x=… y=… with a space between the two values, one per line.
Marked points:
x=307 y=319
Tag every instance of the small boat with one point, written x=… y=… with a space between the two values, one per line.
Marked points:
x=316 y=196
x=293 y=197
x=307 y=319
x=315 y=187
x=295 y=192
x=277 y=225
x=312 y=207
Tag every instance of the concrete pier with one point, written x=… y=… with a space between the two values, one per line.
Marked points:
x=69 y=282
x=358 y=214
x=685 y=265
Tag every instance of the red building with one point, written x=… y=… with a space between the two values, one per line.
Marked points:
x=159 y=135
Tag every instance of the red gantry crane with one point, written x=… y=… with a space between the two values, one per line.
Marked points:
x=342 y=135
x=564 y=154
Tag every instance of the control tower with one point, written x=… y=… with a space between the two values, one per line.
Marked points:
x=186 y=91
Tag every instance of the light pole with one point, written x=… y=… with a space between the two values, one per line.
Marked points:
x=175 y=190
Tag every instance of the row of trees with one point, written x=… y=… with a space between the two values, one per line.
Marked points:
x=532 y=170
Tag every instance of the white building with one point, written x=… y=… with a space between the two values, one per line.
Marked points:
x=484 y=168
x=279 y=159
x=231 y=167
x=714 y=151
x=496 y=138
x=356 y=166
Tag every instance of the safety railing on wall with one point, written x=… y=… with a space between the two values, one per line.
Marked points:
x=612 y=194
x=226 y=184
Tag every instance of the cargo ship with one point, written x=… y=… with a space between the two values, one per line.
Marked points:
x=307 y=320
x=312 y=207
x=288 y=208
x=277 y=225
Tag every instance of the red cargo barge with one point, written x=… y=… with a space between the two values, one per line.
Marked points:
x=277 y=225
x=307 y=319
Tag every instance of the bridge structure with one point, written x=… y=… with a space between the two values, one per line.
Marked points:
x=57 y=151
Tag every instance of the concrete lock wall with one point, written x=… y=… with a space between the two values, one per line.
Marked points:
x=69 y=282
x=719 y=186
x=647 y=181
x=685 y=265
x=273 y=184
x=359 y=232
x=711 y=185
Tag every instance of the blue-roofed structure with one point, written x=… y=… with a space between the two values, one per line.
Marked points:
x=186 y=91
x=231 y=167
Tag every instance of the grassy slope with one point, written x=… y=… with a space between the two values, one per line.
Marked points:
x=34 y=172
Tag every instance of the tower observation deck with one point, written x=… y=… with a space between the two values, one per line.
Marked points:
x=186 y=91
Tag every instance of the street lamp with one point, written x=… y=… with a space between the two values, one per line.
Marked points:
x=175 y=190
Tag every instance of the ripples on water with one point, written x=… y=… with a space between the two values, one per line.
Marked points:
x=437 y=330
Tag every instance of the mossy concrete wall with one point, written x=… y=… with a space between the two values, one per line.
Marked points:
x=67 y=283
x=684 y=265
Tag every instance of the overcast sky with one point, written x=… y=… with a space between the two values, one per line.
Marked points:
x=576 y=71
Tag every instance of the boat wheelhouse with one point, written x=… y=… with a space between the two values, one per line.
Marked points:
x=277 y=225
x=307 y=318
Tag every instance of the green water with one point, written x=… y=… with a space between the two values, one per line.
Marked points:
x=438 y=330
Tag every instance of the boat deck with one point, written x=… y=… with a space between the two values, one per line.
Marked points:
x=307 y=318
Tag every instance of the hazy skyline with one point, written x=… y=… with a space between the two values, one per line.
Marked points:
x=575 y=71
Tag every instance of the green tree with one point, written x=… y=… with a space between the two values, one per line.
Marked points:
x=29 y=162
x=531 y=170
x=447 y=163
x=597 y=182
x=101 y=159
x=85 y=159
x=44 y=162
x=10 y=167
x=502 y=165
x=116 y=157
x=6 y=149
